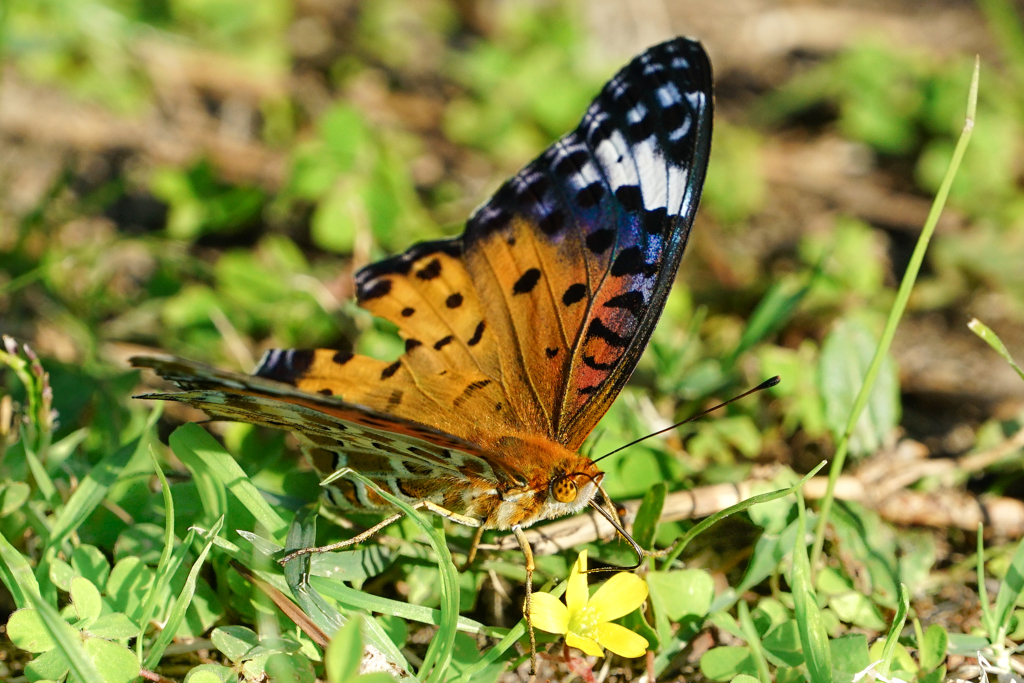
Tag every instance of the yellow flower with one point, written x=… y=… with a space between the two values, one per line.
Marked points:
x=584 y=619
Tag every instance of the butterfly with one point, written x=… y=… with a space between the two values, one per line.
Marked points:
x=518 y=334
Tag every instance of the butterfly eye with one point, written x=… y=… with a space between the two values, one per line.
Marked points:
x=563 y=490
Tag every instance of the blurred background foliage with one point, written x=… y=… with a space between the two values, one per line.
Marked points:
x=203 y=177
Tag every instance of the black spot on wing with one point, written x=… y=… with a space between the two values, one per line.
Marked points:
x=571 y=163
x=342 y=357
x=390 y=370
x=526 y=283
x=407 y=311
x=477 y=334
x=574 y=294
x=443 y=342
x=550 y=352
x=411 y=344
x=591 y=362
x=325 y=392
x=631 y=262
x=429 y=271
x=590 y=195
x=631 y=301
x=630 y=197
x=552 y=223
x=597 y=329
x=453 y=301
x=599 y=240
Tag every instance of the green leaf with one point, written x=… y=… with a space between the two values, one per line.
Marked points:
x=91 y=492
x=683 y=593
x=769 y=550
x=90 y=563
x=849 y=656
x=352 y=565
x=212 y=673
x=234 y=641
x=782 y=644
x=932 y=651
x=113 y=626
x=86 y=598
x=61 y=574
x=746 y=678
x=290 y=668
x=857 y=609
x=117 y=664
x=726 y=662
x=845 y=356
x=66 y=639
x=649 y=514
x=26 y=630
x=52 y=665
x=345 y=652
x=13 y=495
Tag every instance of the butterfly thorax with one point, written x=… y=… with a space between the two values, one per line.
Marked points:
x=538 y=479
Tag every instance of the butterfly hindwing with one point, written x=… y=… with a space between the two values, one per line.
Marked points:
x=321 y=421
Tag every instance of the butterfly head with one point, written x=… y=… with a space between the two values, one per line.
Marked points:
x=567 y=487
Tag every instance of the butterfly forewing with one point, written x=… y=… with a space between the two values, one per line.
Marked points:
x=571 y=260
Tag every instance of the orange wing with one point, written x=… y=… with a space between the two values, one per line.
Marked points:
x=533 y=320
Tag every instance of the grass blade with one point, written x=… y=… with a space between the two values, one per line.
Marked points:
x=439 y=653
x=738 y=507
x=895 y=314
x=182 y=602
x=894 y=631
x=16 y=573
x=992 y=339
x=813 y=637
x=192 y=440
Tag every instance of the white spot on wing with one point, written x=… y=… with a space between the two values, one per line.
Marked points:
x=613 y=155
x=636 y=114
x=681 y=131
x=668 y=95
x=650 y=166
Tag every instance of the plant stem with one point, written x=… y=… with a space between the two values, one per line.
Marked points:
x=899 y=306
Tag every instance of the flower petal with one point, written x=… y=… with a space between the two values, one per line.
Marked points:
x=548 y=613
x=576 y=593
x=620 y=640
x=619 y=596
x=586 y=644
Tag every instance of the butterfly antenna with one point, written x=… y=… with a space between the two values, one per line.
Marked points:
x=640 y=552
x=767 y=384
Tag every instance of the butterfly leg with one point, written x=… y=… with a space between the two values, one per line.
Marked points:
x=524 y=545
x=358 y=538
x=473 y=547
